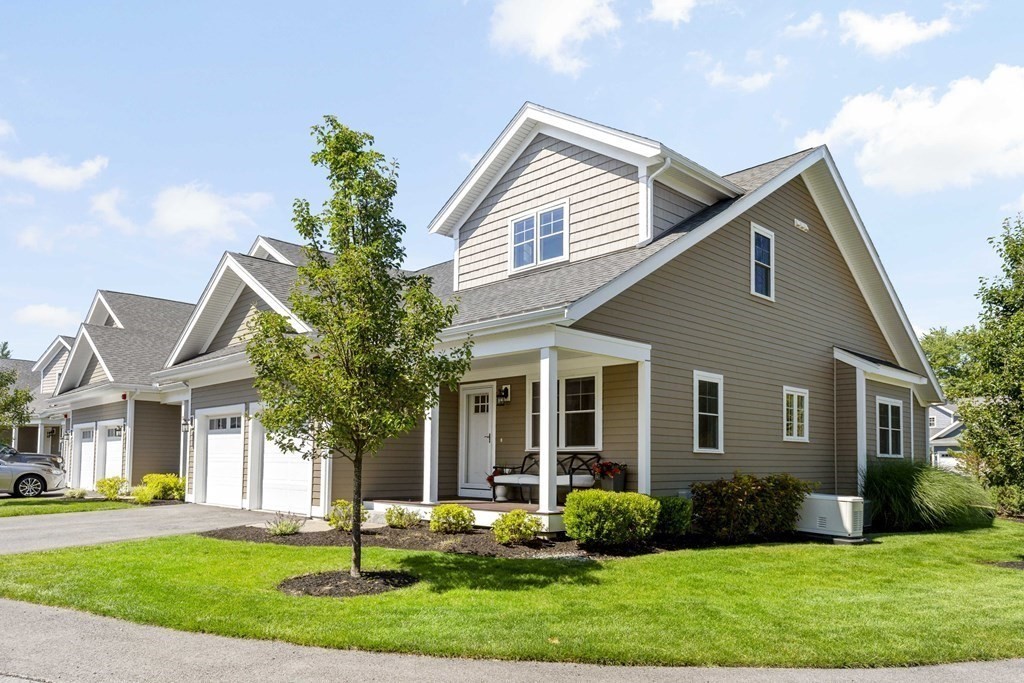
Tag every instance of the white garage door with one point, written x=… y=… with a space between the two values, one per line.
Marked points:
x=287 y=480
x=86 y=451
x=112 y=448
x=224 y=461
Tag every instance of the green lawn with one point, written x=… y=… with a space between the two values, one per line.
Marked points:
x=906 y=599
x=17 y=507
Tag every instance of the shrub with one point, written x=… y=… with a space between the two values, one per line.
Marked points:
x=1009 y=500
x=165 y=486
x=452 y=518
x=340 y=516
x=398 y=517
x=515 y=527
x=674 y=517
x=142 y=495
x=746 y=507
x=111 y=487
x=75 y=494
x=915 y=495
x=609 y=519
x=285 y=525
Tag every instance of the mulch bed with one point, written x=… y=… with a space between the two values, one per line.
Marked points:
x=1010 y=565
x=344 y=585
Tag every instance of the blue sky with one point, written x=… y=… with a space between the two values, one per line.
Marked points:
x=137 y=143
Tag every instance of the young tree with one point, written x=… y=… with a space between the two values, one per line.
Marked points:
x=991 y=391
x=5 y=350
x=13 y=401
x=369 y=369
x=949 y=354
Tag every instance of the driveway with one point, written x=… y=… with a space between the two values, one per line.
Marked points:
x=53 y=644
x=45 y=532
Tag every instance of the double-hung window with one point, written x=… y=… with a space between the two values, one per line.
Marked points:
x=578 y=401
x=708 y=408
x=540 y=237
x=762 y=262
x=890 y=428
x=794 y=414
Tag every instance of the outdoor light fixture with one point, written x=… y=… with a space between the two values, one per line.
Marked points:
x=504 y=395
x=186 y=424
x=51 y=432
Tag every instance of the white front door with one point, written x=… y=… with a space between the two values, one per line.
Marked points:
x=224 y=454
x=287 y=480
x=110 y=436
x=85 y=449
x=477 y=440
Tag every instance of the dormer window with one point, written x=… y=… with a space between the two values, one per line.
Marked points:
x=540 y=237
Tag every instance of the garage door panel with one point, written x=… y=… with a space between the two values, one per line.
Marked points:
x=86 y=459
x=113 y=451
x=224 y=446
x=287 y=480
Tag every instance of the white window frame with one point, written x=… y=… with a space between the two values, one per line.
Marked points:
x=805 y=394
x=699 y=375
x=756 y=229
x=537 y=263
x=596 y=373
x=885 y=400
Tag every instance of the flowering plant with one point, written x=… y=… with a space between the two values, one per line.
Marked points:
x=606 y=469
x=490 y=477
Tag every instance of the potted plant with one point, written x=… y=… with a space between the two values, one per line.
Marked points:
x=500 y=491
x=611 y=476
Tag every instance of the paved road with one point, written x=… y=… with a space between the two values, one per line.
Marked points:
x=45 y=532
x=52 y=644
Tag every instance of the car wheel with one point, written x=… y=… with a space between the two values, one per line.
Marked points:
x=29 y=487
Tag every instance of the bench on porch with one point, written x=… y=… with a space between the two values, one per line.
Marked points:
x=574 y=471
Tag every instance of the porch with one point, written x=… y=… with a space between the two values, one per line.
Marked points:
x=485 y=512
x=534 y=399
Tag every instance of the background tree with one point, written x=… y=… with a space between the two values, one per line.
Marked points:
x=13 y=401
x=949 y=354
x=5 y=350
x=370 y=369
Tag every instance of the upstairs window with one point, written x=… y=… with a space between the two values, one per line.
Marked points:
x=890 y=428
x=762 y=262
x=540 y=237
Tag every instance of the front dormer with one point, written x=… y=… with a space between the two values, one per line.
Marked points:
x=554 y=189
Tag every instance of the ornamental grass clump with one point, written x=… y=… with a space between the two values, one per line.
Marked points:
x=285 y=525
x=913 y=496
x=398 y=517
x=452 y=518
x=516 y=527
x=75 y=494
x=608 y=519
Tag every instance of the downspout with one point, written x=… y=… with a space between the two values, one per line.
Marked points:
x=650 y=202
x=129 y=435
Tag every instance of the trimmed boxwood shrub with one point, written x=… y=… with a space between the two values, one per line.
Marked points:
x=674 y=517
x=515 y=527
x=909 y=496
x=747 y=508
x=452 y=518
x=608 y=519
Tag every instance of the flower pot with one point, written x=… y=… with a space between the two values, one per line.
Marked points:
x=616 y=483
x=501 y=493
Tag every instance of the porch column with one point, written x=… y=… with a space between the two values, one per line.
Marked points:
x=548 y=429
x=643 y=427
x=431 y=435
x=41 y=438
x=862 y=430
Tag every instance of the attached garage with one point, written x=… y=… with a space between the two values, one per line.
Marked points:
x=220 y=456
x=85 y=458
x=110 y=449
x=286 y=480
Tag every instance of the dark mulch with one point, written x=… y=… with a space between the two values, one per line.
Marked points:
x=344 y=585
x=1010 y=565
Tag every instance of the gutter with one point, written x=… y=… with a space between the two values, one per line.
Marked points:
x=650 y=201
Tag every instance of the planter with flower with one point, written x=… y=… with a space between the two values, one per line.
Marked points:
x=500 y=491
x=611 y=476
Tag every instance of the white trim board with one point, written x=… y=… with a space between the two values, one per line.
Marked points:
x=76 y=364
x=50 y=352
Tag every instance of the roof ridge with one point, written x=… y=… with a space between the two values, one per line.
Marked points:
x=772 y=161
x=146 y=296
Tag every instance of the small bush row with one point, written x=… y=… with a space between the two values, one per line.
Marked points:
x=747 y=508
x=913 y=496
x=153 y=487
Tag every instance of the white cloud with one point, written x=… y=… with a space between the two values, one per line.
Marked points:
x=1014 y=206
x=673 y=11
x=551 y=32
x=106 y=206
x=46 y=172
x=887 y=34
x=17 y=199
x=915 y=141
x=470 y=159
x=6 y=129
x=718 y=76
x=810 y=27
x=47 y=316
x=196 y=210
x=34 y=238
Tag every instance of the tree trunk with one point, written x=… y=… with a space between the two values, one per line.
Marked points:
x=357 y=514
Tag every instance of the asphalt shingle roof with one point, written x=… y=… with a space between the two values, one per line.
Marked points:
x=754 y=177
x=25 y=378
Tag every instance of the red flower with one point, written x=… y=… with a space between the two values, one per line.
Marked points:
x=606 y=469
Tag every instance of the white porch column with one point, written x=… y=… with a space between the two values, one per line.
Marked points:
x=14 y=438
x=548 y=429
x=643 y=427
x=41 y=438
x=862 y=430
x=431 y=435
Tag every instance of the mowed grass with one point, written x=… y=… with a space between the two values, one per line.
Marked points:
x=17 y=507
x=906 y=599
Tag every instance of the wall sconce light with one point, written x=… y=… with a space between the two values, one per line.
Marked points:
x=186 y=424
x=51 y=432
x=504 y=395
x=117 y=431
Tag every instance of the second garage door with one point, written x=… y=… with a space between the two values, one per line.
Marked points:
x=287 y=480
x=224 y=448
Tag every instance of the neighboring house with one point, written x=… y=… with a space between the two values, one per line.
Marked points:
x=945 y=428
x=120 y=424
x=623 y=301
x=44 y=432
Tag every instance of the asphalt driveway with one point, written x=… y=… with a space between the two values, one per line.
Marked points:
x=45 y=532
